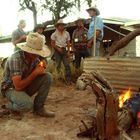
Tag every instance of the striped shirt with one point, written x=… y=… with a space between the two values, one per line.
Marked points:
x=17 y=65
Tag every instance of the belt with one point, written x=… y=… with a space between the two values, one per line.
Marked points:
x=78 y=47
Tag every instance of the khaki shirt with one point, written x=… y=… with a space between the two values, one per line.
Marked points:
x=60 y=39
x=79 y=37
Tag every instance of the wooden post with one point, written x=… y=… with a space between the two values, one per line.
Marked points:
x=94 y=39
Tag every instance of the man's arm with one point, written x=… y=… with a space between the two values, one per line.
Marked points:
x=55 y=47
x=16 y=38
x=20 y=84
x=19 y=40
x=90 y=42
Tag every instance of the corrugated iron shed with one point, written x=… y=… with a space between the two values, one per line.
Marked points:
x=122 y=72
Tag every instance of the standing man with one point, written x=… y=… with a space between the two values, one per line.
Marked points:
x=25 y=76
x=79 y=42
x=19 y=36
x=39 y=28
x=60 y=40
x=94 y=13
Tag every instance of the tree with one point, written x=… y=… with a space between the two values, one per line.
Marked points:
x=58 y=8
x=78 y=3
x=30 y=5
x=123 y=42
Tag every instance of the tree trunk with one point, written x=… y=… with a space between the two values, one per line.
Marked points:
x=124 y=41
x=107 y=105
x=35 y=18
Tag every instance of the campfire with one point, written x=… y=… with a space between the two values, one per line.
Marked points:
x=130 y=102
x=124 y=97
x=116 y=114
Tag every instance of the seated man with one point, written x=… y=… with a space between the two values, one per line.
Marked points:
x=25 y=75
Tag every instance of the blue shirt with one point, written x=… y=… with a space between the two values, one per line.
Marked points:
x=99 y=26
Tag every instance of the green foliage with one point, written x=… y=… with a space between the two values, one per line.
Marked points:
x=58 y=8
x=31 y=5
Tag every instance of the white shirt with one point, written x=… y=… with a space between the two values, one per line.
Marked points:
x=60 y=38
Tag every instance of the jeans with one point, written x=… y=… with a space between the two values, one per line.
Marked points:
x=22 y=101
x=63 y=58
x=78 y=55
x=97 y=53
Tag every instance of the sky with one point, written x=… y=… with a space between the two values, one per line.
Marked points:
x=10 y=15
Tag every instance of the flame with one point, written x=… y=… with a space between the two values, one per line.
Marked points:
x=124 y=97
x=70 y=48
x=41 y=63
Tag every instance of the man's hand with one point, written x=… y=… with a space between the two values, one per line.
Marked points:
x=89 y=44
x=59 y=50
x=39 y=70
x=23 y=38
x=20 y=84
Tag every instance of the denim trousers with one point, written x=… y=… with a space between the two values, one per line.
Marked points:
x=97 y=52
x=22 y=101
x=78 y=55
x=63 y=58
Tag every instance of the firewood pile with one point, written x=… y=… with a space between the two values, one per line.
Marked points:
x=110 y=122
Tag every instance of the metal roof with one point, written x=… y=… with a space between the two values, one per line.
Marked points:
x=121 y=72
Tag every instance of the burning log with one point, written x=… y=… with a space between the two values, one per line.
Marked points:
x=109 y=120
x=107 y=105
x=129 y=116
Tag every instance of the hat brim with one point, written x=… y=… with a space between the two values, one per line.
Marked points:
x=95 y=9
x=81 y=19
x=57 y=24
x=45 y=52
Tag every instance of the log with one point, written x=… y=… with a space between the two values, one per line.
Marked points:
x=124 y=119
x=123 y=42
x=107 y=104
x=109 y=123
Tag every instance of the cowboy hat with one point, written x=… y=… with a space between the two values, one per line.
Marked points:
x=94 y=9
x=79 y=19
x=60 y=22
x=35 y=44
x=39 y=26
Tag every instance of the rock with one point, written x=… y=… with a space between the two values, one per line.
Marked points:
x=80 y=84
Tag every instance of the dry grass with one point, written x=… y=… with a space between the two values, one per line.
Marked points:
x=61 y=76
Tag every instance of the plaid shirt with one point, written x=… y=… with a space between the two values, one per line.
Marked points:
x=17 y=65
x=79 y=37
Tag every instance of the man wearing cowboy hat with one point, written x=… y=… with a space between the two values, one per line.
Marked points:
x=39 y=28
x=79 y=42
x=25 y=75
x=94 y=13
x=60 y=40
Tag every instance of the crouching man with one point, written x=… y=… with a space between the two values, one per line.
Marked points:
x=25 y=75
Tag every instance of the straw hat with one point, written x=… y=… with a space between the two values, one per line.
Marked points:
x=95 y=9
x=35 y=44
x=60 y=22
x=79 y=19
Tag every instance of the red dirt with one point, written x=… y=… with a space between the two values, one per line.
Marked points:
x=70 y=106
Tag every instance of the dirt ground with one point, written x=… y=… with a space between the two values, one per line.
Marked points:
x=70 y=106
